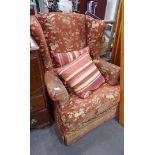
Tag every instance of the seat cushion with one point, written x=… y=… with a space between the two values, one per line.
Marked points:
x=81 y=75
x=65 y=58
x=82 y=110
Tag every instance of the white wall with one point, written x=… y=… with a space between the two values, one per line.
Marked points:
x=65 y=5
x=42 y=6
x=111 y=9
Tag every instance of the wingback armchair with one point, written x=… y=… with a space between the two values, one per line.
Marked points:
x=65 y=32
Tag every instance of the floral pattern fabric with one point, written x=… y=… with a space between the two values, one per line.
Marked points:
x=94 y=29
x=37 y=33
x=110 y=71
x=56 y=89
x=64 y=32
x=72 y=136
x=80 y=110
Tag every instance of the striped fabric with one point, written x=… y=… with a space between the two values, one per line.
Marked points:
x=81 y=75
x=65 y=58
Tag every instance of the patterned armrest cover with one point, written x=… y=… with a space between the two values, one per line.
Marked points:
x=110 y=71
x=56 y=89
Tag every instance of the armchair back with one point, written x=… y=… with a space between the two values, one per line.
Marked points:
x=65 y=32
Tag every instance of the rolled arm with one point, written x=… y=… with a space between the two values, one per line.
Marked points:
x=110 y=71
x=56 y=89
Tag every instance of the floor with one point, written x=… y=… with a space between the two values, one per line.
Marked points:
x=107 y=139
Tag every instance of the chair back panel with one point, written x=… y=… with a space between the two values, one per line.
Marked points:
x=64 y=32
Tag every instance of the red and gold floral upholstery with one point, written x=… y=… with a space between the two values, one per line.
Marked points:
x=80 y=110
x=65 y=32
x=37 y=33
x=110 y=71
x=94 y=29
x=56 y=89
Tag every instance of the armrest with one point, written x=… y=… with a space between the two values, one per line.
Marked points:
x=110 y=71
x=56 y=89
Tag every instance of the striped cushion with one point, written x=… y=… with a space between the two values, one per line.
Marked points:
x=81 y=75
x=65 y=58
